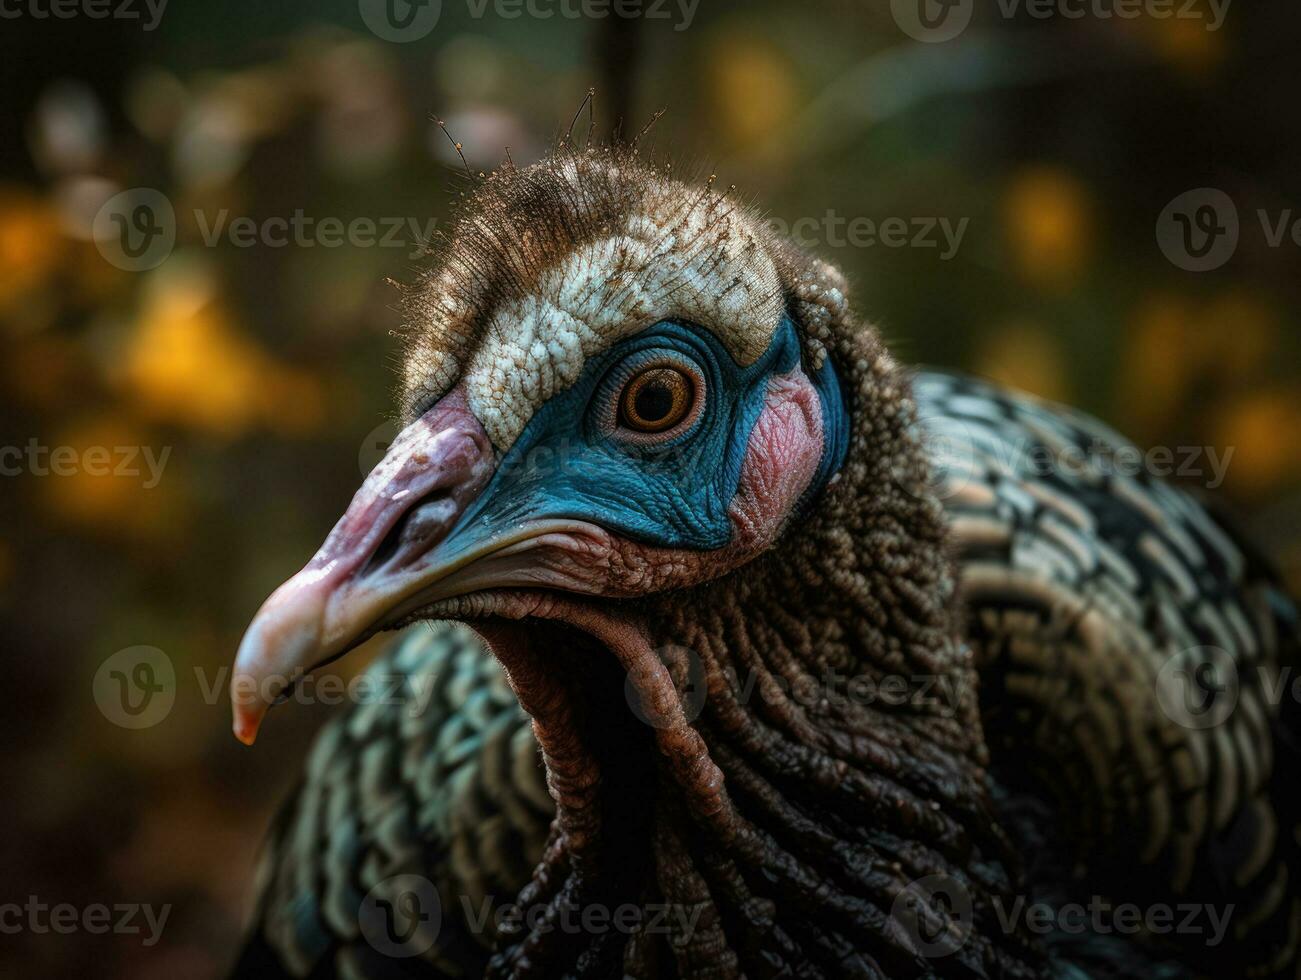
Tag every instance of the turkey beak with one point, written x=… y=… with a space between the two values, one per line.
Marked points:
x=382 y=552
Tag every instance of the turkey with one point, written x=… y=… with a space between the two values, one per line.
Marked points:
x=748 y=651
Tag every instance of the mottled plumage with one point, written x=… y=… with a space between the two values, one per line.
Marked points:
x=1091 y=586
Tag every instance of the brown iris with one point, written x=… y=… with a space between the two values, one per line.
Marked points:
x=656 y=400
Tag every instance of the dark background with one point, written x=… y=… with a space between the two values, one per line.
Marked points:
x=266 y=370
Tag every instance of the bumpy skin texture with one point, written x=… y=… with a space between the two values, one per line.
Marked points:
x=790 y=827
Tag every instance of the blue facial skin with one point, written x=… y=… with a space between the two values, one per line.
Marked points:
x=567 y=464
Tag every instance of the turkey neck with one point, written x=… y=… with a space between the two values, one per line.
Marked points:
x=842 y=714
x=835 y=758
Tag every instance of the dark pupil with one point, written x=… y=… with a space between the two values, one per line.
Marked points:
x=653 y=401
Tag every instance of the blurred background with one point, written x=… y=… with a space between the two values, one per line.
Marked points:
x=184 y=422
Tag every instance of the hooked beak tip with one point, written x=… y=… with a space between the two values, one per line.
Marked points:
x=282 y=641
x=245 y=730
x=407 y=505
x=247 y=713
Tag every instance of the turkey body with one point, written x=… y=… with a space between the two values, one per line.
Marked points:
x=1129 y=649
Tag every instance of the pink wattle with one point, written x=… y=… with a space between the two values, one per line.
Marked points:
x=780 y=461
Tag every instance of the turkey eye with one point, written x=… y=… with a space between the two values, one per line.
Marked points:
x=656 y=400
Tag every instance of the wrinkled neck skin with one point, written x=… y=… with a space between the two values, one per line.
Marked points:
x=775 y=826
